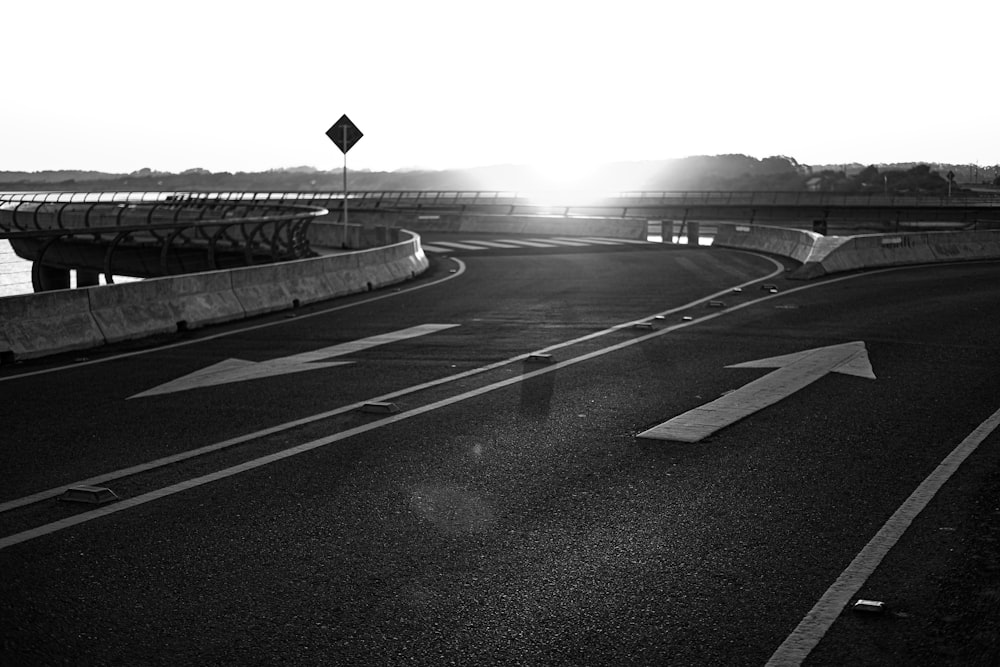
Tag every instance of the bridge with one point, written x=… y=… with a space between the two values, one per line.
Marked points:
x=149 y=234
x=604 y=454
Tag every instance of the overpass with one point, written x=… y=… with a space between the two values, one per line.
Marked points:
x=148 y=234
x=169 y=235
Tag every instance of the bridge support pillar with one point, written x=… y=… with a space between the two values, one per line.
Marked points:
x=45 y=278
x=86 y=278
x=694 y=229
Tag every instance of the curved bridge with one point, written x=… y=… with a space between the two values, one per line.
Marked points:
x=147 y=234
x=173 y=235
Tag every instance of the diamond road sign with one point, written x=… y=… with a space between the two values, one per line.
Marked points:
x=344 y=133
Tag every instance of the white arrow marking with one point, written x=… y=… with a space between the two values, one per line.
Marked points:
x=238 y=370
x=795 y=371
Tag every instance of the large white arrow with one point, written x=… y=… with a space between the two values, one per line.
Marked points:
x=795 y=371
x=237 y=370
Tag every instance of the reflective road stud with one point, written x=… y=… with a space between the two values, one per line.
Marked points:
x=380 y=407
x=90 y=495
x=869 y=606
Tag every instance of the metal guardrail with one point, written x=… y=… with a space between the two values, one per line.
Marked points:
x=388 y=198
x=254 y=231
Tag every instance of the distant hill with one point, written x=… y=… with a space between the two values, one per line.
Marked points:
x=718 y=172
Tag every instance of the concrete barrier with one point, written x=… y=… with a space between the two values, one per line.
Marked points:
x=795 y=244
x=335 y=235
x=881 y=250
x=263 y=289
x=163 y=305
x=630 y=228
x=34 y=325
x=823 y=255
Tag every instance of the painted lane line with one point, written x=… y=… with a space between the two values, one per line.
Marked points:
x=231 y=332
x=238 y=370
x=795 y=371
x=207 y=449
x=807 y=635
x=433 y=248
x=166 y=491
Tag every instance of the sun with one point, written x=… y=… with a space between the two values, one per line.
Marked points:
x=562 y=182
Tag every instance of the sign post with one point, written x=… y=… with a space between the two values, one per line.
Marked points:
x=344 y=134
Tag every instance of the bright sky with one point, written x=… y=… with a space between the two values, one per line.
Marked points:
x=249 y=86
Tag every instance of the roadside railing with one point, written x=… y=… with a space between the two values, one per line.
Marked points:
x=258 y=232
x=391 y=198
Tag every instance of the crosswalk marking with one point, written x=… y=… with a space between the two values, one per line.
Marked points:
x=588 y=240
x=459 y=246
x=572 y=244
x=495 y=244
x=528 y=244
x=601 y=238
x=548 y=242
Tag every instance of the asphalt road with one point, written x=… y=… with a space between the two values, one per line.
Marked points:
x=507 y=513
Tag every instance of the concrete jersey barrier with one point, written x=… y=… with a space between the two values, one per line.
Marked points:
x=163 y=305
x=823 y=255
x=34 y=325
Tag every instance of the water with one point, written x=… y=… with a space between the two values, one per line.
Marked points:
x=15 y=273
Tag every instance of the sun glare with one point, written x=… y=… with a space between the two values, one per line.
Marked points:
x=563 y=183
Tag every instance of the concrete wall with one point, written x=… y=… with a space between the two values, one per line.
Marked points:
x=795 y=244
x=34 y=325
x=823 y=255
x=629 y=228
x=880 y=250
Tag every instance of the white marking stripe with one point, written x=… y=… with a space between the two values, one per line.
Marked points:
x=433 y=248
x=814 y=626
x=575 y=244
x=529 y=244
x=238 y=370
x=588 y=240
x=637 y=241
x=149 y=497
x=460 y=246
x=795 y=371
x=494 y=244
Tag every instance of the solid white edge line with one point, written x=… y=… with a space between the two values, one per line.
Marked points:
x=814 y=626
x=231 y=332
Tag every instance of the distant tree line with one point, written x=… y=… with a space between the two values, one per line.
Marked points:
x=718 y=172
